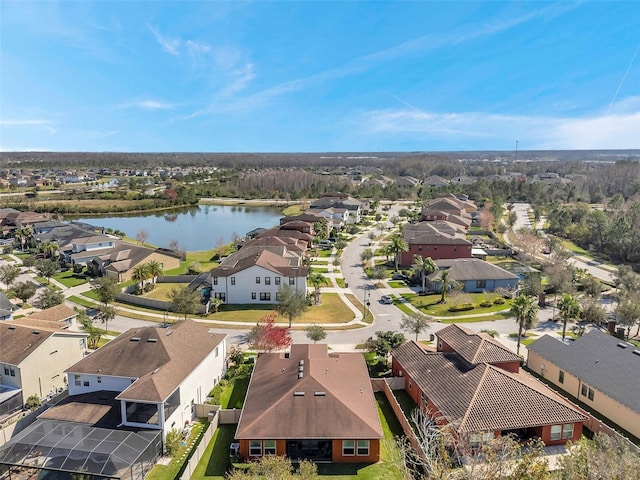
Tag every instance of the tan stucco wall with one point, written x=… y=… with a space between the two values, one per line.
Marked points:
x=601 y=403
x=167 y=262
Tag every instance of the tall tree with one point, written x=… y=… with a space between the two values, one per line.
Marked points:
x=46 y=268
x=525 y=310
x=106 y=313
x=266 y=336
x=106 y=289
x=317 y=280
x=444 y=285
x=569 y=308
x=425 y=266
x=49 y=298
x=415 y=323
x=291 y=302
x=139 y=274
x=155 y=270
x=9 y=274
x=397 y=245
x=24 y=291
x=184 y=301
x=316 y=332
x=142 y=235
x=384 y=342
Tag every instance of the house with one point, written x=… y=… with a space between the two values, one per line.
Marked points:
x=436 y=181
x=340 y=201
x=33 y=360
x=598 y=369
x=310 y=404
x=281 y=231
x=426 y=240
x=407 y=181
x=474 y=383
x=474 y=274
x=147 y=377
x=59 y=315
x=254 y=273
x=6 y=308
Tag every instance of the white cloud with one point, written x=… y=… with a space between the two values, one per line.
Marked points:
x=37 y=123
x=169 y=45
x=488 y=130
x=148 y=105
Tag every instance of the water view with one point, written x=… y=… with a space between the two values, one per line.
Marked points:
x=194 y=228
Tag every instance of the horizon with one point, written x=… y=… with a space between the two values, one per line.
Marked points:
x=316 y=77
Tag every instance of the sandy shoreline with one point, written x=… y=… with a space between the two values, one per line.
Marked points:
x=261 y=202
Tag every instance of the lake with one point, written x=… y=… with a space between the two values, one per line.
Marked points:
x=195 y=228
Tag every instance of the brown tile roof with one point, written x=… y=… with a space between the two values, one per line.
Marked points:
x=159 y=359
x=277 y=232
x=345 y=407
x=483 y=397
x=18 y=341
x=292 y=244
x=39 y=324
x=55 y=314
x=476 y=347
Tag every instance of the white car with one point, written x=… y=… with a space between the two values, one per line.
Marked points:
x=386 y=299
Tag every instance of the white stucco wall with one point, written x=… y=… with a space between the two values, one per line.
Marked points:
x=111 y=384
x=245 y=285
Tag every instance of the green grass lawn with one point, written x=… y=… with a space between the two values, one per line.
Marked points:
x=320 y=269
x=323 y=253
x=233 y=396
x=293 y=210
x=430 y=304
x=397 y=284
x=572 y=247
x=340 y=282
x=81 y=301
x=70 y=279
x=161 y=291
x=325 y=283
x=320 y=261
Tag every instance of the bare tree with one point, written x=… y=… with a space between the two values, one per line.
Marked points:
x=142 y=236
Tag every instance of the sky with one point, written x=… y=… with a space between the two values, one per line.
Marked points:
x=318 y=76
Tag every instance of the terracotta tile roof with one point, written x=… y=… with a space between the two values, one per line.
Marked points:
x=278 y=232
x=158 y=358
x=292 y=244
x=344 y=406
x=483 y=397
x=19 y=341
x=476 y=347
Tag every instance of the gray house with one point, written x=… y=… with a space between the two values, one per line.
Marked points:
x=475 y=275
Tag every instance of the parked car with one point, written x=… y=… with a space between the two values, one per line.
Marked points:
x=386 y=299
x=399 y=276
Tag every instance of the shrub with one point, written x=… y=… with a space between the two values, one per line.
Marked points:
x=463 y=307
x=172 y=442
x=32 y=402
x=148 y=287
x=499 y=301
x=486 y=303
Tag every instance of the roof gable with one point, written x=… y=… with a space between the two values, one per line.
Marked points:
x=476 y=347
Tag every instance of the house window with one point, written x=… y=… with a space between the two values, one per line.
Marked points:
x=269 y=447
x=292 y=280
x=556 y=432
x=410 y=384
x=221 y=295
x=86 y=383
x=481 y=283
x=583 y=390
x=348 y=447
x=419 y=248
x=424 y=400
x=267 y=280
x=363 y=448
x=82 y=343
x=77 y=381
x=278 y=296
x=567 y=431
x=217 y=352
x=590 y=395
x=476 y=440
x=265 y=296
x=278 y=280
x=99 y=379
x=255 y=448
x=253 y=295
x=257 y=279
x=561 y=376
x=215 y=280
x=233 y=280
x=6 y=370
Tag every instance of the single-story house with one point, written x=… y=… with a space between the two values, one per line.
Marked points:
x=598 y=369
x=473 y=383
x=312 y=404
x=474 y=274
x=59 y=315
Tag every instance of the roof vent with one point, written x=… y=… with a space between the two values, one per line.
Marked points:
x=301 y=362
x=636 y=352
x=300 y=368
x=152 y=340
x=320 y=394
x=287 y=354
x=12 y=327
x=36 y=332
x=622 y=345
x=298 y=394
x=300 y=374
x=134 y=339
x=169 y=332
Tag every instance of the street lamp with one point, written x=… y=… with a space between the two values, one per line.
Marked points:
x=367 y=296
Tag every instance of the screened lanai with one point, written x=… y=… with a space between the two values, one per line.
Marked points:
x=51 y=449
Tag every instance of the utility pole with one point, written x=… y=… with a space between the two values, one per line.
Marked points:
x=516 y=157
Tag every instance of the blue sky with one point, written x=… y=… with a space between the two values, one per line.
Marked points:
x=318 y=76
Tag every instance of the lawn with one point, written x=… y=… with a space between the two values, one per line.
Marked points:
x=233 y=396
x=323 y=253
x=320 y=269
x=161 y=290
x=430 y=304
x=340 y=282
x=397 y=284
x=572 y=247
x=325 y=283
x=70 y=279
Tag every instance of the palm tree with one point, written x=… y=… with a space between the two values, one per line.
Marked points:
x=140 y=274
x=525 y=309
x=154 y=269
x=397 y=245
x=317 y=279
x=425 y=266
x=569 y=308
x=23 y=235
x=444 y=279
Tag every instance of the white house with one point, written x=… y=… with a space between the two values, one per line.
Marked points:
x=254 y=274
x=156 y=375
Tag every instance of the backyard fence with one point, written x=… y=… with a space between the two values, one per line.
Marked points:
x=210 y=429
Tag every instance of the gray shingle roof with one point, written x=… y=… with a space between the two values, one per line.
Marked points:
x=597 y=359
x=464 y=269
